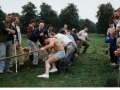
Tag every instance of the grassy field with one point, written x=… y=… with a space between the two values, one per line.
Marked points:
x=89 y=70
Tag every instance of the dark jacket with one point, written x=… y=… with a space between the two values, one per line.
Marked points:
x=3 y=31
x=46 y=34
x=35 y=35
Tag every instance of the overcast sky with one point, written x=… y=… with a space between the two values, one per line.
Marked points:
x=87 y=8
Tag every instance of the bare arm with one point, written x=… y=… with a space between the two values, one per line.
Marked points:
x=60 y=40
x=88 y=39
x=49 y=50
x=48 y=46
x=79 y=33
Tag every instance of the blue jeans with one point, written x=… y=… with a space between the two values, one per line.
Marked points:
x=2 y=55
x=9 y=46
x=5 y=51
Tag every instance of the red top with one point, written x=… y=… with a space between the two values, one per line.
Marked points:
x=29 y=30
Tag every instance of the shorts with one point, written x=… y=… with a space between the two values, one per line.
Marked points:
x=60 y=54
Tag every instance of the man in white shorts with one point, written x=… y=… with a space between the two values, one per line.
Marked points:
x=52 y=58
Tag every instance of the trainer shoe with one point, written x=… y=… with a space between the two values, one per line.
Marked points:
x=44 y=76
x=53 y=70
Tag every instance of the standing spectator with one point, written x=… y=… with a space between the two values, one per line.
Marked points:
x=29 y=31
x=83 y=36
x=6 y=37
x=112 y=47
x=114 y=21
x=111 y=27
x=17 y=42
x=37 y=33
x=48 y=30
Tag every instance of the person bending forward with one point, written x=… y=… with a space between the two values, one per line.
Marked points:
x=52 y=58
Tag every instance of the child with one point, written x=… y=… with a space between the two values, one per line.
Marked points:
x=111 y=27
x=112 y=47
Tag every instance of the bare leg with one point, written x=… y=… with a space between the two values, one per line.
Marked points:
x=51 y=59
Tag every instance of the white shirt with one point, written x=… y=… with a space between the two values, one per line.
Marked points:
x=71 y=37
x=19 y=34
x=83 y=35
x=64 y=38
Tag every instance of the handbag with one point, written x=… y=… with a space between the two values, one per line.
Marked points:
x=107 y=38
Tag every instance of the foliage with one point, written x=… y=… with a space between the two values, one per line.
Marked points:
x=48 y=15
x=69 y=15
x=16 y=15
x=104 y=15
x=88 y=23
x=29 y=12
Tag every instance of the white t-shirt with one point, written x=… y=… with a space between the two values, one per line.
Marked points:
x=83 y=35
x=65 y=39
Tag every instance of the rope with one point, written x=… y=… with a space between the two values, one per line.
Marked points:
x=19 y=55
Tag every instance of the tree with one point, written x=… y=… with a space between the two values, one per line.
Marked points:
x=86 y=22
x=16 y=14
x=2 y=15
x=29 y=12
x=104 y=15
x=48 y=15
x=69 y=16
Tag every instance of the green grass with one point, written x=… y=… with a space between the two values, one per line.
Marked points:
x=89 y=70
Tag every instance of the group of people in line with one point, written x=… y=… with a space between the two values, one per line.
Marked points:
x=114 y=42
x=66 y=44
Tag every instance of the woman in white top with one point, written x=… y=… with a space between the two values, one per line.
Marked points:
x=83 y=36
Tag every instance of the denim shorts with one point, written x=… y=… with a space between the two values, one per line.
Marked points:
x=60 y=54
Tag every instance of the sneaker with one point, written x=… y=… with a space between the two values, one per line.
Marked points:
x=1 y=71
x=53 y=70
x=44 y=76
x=9 y=71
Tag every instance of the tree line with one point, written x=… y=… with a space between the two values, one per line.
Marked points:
x=68 y=15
